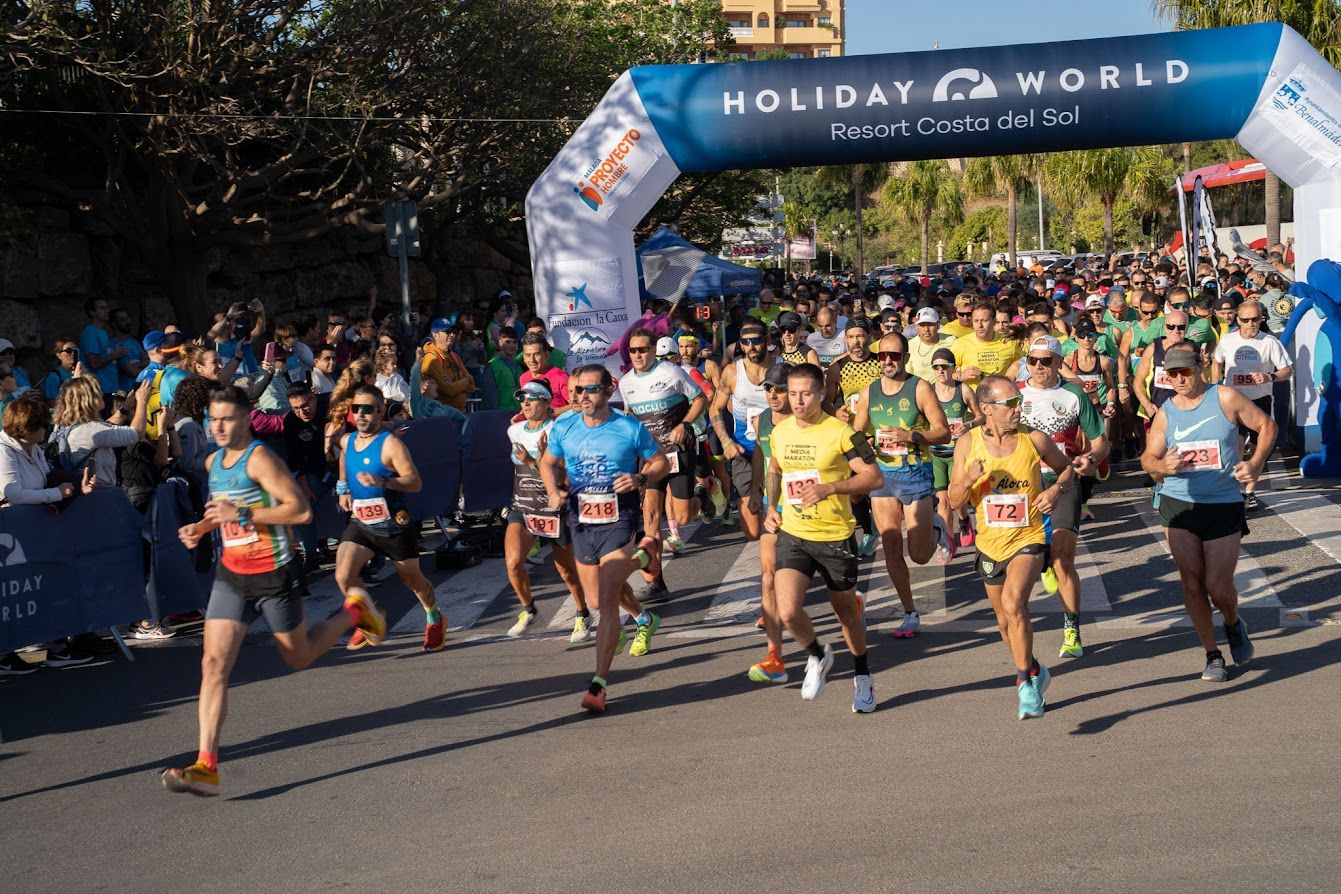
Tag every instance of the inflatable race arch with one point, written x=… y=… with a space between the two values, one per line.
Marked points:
x=1263 y=85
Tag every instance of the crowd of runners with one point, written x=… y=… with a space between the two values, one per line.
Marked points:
x=977 y=410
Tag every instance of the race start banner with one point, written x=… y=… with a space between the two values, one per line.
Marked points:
x=1263 y=85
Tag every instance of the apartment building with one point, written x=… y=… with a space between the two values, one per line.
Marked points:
x=805 y=29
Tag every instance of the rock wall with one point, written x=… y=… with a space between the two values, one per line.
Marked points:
x=65 y=256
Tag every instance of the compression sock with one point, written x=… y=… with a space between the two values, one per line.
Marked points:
x=815 y=649
x=432 y=615
x=674 y=527
x=1072 y=621
x=859 y=665
x=210 y=759
x=597 y=684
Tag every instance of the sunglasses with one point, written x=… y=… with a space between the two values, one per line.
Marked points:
x=963 y=313
x=791 y=330
x=1173 y=328
x=642 y=350
x=1250 y=319
x=588 y=389
x=889 y=356
x=776 y=389
x=67 y=350
x=942 y=366
x=1181 y=305
x=527 y=398
x=1088 y=336
x=1039 y=361
x=1148 y=313
x=757 y=340
x=1010 y=402
x=363 y=409
x=1180 y=373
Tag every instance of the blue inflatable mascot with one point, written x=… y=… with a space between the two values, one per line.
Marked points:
x=1322 y=291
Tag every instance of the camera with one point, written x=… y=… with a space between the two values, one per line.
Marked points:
x=242 y=325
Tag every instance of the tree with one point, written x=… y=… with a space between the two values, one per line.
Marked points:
x=1319 y=21
x=998 y=174
x=927 y=191
x=1107 y=174
x=861 y=180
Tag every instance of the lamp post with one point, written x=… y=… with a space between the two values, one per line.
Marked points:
x=840 y=234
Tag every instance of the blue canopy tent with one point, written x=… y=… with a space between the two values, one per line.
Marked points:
x=671 y=268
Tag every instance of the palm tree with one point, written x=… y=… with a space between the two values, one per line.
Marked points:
x=1108 y=173
x=1318 y=21
x=996 y=174
x=926 y=191
x=863 y=179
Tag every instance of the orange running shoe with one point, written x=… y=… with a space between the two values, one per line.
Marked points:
x=357 y=641
x=594 y=703
x=435 y=635
x=373 y=622
x=196 y=779
x=771 y=670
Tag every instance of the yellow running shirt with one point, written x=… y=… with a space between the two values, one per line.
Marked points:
x=991 y=357
x=818 y=452
x=1008 y=517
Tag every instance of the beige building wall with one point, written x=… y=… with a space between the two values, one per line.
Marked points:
x=806 y=29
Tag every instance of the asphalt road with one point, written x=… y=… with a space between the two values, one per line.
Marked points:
x=474 y=770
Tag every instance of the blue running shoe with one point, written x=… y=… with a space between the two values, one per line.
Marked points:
x=1042 y=679
x=1031 y=702
x=1240 y=647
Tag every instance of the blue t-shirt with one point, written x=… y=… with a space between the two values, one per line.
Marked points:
x=167 y=386
x=51 y=386
x=21 y=376
x=594 y=456
x=95 y=342
x=134 y=352
x=249 y=366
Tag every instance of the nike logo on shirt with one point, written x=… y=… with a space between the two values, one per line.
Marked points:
x=1180 y=433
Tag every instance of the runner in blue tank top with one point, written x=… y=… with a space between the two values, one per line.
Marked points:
x=1192 y=452
x=606 y=457
x=375 y=472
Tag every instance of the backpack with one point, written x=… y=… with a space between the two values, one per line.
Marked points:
x=60 y=456
x=155 y=404
x=140 y=475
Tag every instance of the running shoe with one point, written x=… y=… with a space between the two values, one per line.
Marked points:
x=581 y=632
x=435 y=634
x=771 y=670
x=12 y=665
x=868 y=544
x=966 y=533
x=143 y=630
x=1049 y=578
x=729 y=517
x=1251 y=503
x=1031 y=700
x=525 y=619
x=760 y=624
x=1240 y=647
x=1085 y=513
x=357 y=641
x=642 y=640
x=674 y=543
x=1072 y=647
x=945 y=547
x=718 y=499
x=657 y=591
x=1215 y=671
x=643 y=554
x=373 y=620
x=863 y=699
x=63 y=656
x=908 y=627
x=817 y=671
x=595 y=703
x=1042 y=679
x=196 y=779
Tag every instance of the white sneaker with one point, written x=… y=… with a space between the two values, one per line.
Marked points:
x=945 y=547
x=674 y=543
x=524 y=619
x=581 y=632
x=863 y=702
x=817 y=670
x=909 y=626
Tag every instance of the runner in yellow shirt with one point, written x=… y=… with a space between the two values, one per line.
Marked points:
x=983 y=352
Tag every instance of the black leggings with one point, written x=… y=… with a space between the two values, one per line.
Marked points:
x=861 y=510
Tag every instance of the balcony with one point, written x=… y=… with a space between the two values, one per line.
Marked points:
x=821 y=36
x=803 y=5
x=742 y=32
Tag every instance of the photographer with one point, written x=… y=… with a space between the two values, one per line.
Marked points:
x=234 y=332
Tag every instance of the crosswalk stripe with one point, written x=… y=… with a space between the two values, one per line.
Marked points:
x=463 y=597
x=1093 y=593
x=739 y=592
x=1315 y=517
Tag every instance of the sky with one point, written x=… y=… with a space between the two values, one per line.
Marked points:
x=898 y=26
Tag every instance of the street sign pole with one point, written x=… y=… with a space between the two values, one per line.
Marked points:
x=402 y=242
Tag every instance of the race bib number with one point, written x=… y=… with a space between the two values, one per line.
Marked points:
x=1200 y=455
x=956 y=424
x=674 y=457
x=1089 y=384
x=542 y=525
x=884 y=442
x=235 y=534
x=852 y=402
x=597 y=509
x=1162 y=379
x=371 y=511
x=752 y=424
x=793 y=483
x=1007 y=510
x=1242 y=379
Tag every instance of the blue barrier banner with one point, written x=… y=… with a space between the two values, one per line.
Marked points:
x=487 y=470
x=71 y=573
x=177 y=581
x=435 y=446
